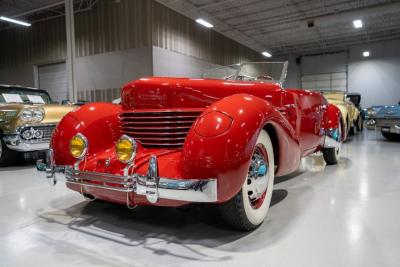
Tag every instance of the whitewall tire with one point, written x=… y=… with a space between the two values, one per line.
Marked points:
x=248 y=209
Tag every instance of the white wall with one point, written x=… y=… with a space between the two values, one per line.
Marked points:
x=114 y=69
x=172 y=64
x=377 y=77
x=324 y=63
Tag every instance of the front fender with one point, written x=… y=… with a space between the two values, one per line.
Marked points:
x=97 y=121
x=227 y=155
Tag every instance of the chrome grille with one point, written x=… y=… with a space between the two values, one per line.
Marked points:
x=159 y=128
x=46 y=129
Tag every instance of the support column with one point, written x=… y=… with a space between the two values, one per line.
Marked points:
x=70 y=29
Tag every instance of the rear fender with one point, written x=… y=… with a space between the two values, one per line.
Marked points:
x=333 y=118
x=226 y=156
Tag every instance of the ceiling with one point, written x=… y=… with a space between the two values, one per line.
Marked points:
x=285 y=26
x=277 y=26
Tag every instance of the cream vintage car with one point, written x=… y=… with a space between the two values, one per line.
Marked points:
x=27 y=120
x=351 y=115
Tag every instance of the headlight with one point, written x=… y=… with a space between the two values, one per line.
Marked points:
x=126 y=149
x=78 y=146
x=32 y=115
x=212 y=124
x=371 y=112
x=26 y=115
x=38 y=115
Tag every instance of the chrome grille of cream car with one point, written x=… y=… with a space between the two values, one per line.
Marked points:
x=166 y=128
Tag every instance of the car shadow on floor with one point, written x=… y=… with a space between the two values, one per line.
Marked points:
x=145 y=226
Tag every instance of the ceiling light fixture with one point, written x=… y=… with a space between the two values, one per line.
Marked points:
x=16 y=21
x=204 y=23
x=366 y=54
x=266 y=54
x=357 y=23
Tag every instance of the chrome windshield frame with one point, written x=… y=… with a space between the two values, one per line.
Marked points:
x=239 y=66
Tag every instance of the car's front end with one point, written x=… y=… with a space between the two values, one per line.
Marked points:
x=386 y=121
x=26 y=128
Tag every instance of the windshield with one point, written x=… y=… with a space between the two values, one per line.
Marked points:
x=271 y=72
x=24 y=96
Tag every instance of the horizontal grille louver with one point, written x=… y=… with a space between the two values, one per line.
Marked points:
x=167 y=129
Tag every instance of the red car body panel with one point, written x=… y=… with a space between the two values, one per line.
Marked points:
x=296 y=119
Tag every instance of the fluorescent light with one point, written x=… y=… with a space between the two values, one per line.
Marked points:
x=204 y=23
x=15 y=21
x=366 y=54
x=266 y=54
x=357 y=23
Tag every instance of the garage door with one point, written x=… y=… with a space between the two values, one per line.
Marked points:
x=53 y=78
x=326 y=81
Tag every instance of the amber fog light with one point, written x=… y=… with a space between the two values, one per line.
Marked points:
x=78 y=146
x=126 y=149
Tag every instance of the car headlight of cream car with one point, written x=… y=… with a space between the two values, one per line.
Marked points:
x=32 y=115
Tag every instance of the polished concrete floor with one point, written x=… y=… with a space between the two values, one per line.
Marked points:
x=345 y=215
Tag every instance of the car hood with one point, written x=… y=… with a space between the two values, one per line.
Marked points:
x=167 y=92
x=389 y=112
x=53 y=112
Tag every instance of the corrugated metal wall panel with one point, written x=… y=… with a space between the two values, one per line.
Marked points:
x=44 y=42
x=99 y=95
x=178 y=33
x=112 y=26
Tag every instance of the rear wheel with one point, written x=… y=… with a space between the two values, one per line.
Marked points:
x=332 y=154
x=391 y=136
x=7 y=156
x=248 y=209
x=360 y=124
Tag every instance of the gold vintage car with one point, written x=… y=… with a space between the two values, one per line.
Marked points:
x=351 y=115
x=27 y=120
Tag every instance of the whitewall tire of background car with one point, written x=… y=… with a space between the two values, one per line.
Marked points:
x=248 y=209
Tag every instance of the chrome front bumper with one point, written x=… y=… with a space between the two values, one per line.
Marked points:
x=151 y=185
x=388 y=125
x=17 y=144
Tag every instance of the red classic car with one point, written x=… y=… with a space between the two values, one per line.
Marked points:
x=174 y=141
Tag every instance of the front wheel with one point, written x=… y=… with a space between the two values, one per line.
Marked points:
x=7 y=156
x=248 y=209
x=391 y=136
x=332 y=154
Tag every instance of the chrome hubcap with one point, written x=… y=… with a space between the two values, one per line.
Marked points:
x=257 y=178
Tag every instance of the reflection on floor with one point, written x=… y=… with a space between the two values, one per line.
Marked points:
x=345 y=215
